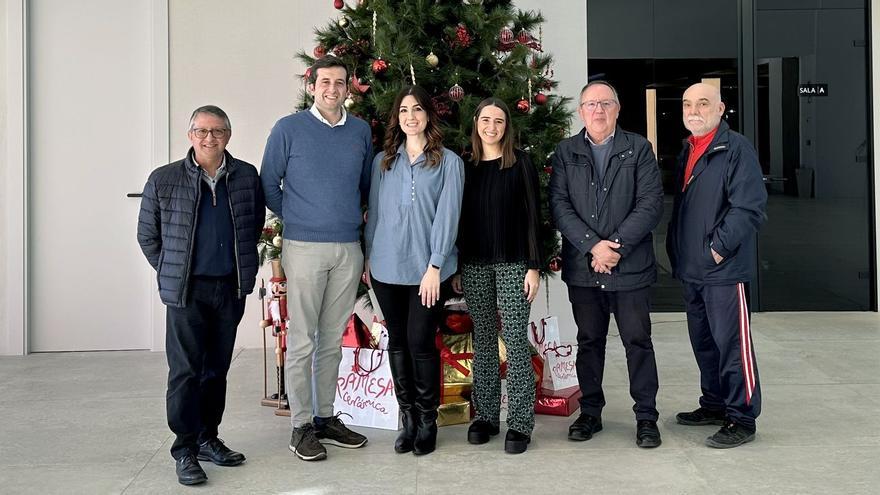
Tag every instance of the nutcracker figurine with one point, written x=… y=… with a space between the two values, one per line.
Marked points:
x=275 y=316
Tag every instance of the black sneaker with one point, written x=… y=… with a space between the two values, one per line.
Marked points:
x=647 y=434
x=701 y=416
x=189 y=471
x=584 y=427
x=305 y=445
x=215 y=451
x=516 y=442
x=335 y=433
x=730 y=435
x=481 y=431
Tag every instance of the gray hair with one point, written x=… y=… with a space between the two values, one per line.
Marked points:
x=211 y=110
x=602 y=82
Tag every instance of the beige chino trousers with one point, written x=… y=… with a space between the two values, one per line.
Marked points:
x=322 y=281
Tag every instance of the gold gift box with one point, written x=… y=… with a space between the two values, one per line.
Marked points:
x=454 y=411
x=456 y=383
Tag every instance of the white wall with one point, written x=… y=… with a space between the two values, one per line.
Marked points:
x=12 y=171
x=3 y=128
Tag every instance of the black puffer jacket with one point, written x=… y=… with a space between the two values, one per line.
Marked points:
x=624 y=209
x=168 y=217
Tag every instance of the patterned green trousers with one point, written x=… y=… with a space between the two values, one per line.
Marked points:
x=490 y=289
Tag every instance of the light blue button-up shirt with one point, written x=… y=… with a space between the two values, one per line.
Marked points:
x=413 y=218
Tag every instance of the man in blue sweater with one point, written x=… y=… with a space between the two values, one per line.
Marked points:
x=316 y=176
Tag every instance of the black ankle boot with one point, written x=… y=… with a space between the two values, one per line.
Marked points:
x=426 y=371
x=401 y=370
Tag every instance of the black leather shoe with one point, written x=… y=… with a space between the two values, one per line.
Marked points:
x=481 y=432
x=584 y=427
x=647 y=434
x=215 y=451
x=516 y=442
x=189 y=472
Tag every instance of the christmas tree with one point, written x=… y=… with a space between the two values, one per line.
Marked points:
x=460 y=52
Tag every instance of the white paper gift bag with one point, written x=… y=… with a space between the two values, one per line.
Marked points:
x=365 y=389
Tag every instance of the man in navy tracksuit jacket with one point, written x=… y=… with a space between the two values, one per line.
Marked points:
x=715 y=218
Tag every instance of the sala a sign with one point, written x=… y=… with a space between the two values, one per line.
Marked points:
x=807 y=90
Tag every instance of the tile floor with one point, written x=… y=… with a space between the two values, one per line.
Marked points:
x=93 y=423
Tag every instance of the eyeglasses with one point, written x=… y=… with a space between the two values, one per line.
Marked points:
x=591 y=106
x=203 y=133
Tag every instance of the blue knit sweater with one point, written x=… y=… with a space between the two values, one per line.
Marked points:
x=326 y=177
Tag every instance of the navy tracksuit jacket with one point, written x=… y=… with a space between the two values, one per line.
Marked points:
x=721 y=209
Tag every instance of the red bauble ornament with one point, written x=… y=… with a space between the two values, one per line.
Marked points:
x=523 y=36
x=357 y=85
x=523 y=105
x=319 y=51
x=462 y=36
x=339 y=4
x=379 y=66
x=506 y=35
x=540 y=98
x=308 y=74
x=456 y=93
x=548 y=170
x=555 y=264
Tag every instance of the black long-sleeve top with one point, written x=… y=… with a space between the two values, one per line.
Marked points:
x=499 y=213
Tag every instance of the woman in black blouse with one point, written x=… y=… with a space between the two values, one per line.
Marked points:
x=499 y=253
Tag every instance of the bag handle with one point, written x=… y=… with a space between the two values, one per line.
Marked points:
x=359 y=369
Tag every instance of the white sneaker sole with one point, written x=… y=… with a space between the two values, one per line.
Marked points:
x=330 y=441
x=316 y=457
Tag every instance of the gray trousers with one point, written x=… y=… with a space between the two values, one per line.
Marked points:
x=322 y=281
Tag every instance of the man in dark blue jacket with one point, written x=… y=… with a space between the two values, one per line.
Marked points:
x=606 y=197
x=199 y=223
x=711 y=245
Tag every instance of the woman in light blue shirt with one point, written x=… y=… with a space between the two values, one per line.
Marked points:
x=412 y=224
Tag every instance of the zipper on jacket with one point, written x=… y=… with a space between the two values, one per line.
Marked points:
x=234 y=235
x=192 y=241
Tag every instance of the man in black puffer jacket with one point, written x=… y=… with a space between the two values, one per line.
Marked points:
x=606 y=197
x=711 y=245
x=198 y=226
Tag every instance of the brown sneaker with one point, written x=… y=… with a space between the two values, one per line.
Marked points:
x=305 y=445
x=336 y=433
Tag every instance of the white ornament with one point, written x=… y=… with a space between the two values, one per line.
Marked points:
x=348 y=102
x=276 y=241
x=432 y=60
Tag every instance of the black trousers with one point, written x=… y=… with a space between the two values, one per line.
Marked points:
x=199 y=340
x=411 y=326
x=631 y=309
x=719 y=328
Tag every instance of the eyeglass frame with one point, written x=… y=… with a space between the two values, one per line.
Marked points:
x=606 y=105
x=213 y=132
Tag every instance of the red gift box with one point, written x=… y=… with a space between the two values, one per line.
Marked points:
x=557 y=403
